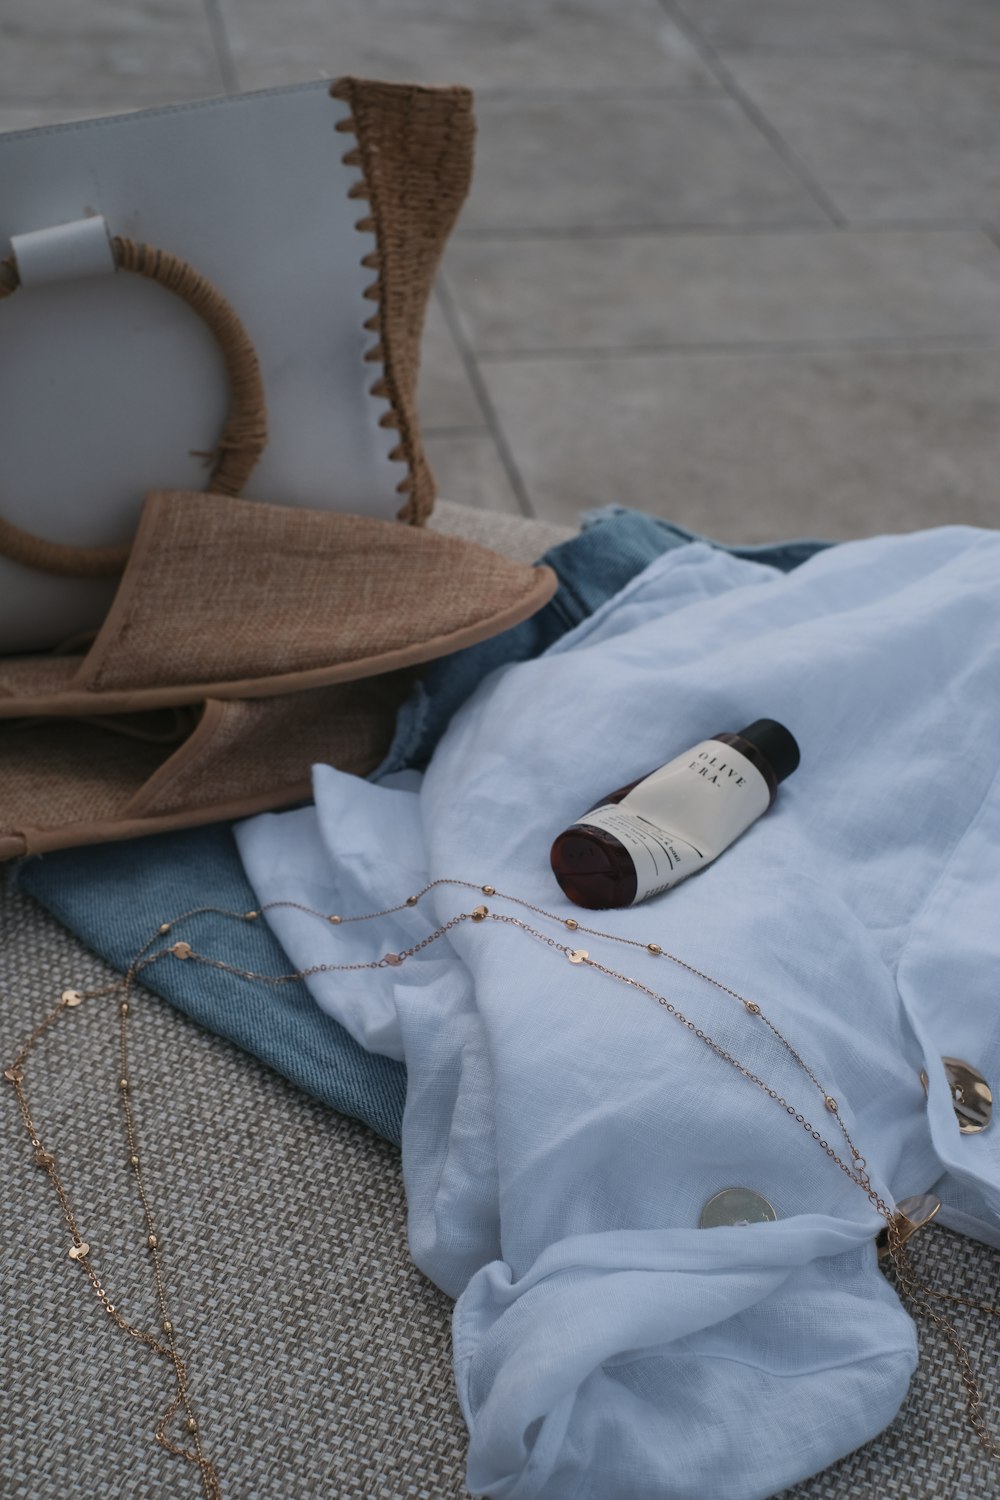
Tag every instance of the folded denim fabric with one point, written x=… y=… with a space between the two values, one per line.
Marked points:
x=114 y=896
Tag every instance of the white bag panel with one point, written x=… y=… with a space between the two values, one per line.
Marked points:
x=108 y=384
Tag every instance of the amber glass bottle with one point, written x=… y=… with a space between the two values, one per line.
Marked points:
x=655 y=832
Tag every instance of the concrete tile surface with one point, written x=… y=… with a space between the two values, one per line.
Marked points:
x=56 y=53
x=620 y=161
x=30 y=116
x=945 y=28
x=801 y=286
x=888 y=138
x=753 y=447
x=733 y=262
x=486 y=44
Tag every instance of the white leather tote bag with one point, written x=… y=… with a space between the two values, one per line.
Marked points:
x=317 y=214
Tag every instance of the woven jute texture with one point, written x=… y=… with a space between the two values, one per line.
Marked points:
x=292 y=631
x=220 y=590
x=238 y=448
x=413 y=149
x=319 y=1357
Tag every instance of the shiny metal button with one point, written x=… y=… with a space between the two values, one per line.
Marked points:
x=736 y=1205
x=971 y=1096
x=911 y=1214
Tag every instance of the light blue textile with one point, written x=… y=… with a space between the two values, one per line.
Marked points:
x=114 y=895
x=562 y=1132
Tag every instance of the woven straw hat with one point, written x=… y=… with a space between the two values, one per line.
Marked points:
x=245 y=643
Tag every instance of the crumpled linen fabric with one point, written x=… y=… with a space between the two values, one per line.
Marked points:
x=563 y=1132
x=113 y=896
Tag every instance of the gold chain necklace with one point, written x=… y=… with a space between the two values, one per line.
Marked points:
x=896 y=1231
x=79 y=1251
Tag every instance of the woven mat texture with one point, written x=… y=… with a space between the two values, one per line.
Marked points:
x=319 y=1356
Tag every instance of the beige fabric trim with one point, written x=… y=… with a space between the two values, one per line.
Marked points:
x=73 y=835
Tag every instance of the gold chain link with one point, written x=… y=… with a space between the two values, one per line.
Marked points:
x=917 y=1292
x=82 y=1253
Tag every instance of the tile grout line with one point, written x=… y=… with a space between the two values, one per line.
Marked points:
x=674 y=9
x=455 y=429
x=522 y=233
x=220 y=46
x=482 y=395
x=944 y=343
x=854 y=51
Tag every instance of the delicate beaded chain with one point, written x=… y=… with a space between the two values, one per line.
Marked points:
x=80 y=1251
x=916 y=1291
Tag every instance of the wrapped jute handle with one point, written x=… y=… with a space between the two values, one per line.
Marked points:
x=233 y=457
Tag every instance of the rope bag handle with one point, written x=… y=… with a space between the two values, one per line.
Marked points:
x=243 y=438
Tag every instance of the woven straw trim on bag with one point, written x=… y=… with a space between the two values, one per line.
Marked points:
x=242 y=441
x=414 y=151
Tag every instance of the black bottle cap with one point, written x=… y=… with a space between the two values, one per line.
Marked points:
x=775 y=743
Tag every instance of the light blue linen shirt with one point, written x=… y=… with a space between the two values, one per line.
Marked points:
x=563 y=1132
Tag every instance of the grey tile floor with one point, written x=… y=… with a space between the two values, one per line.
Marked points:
x=734 y=263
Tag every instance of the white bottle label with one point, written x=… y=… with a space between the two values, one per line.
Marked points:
x=682 y=816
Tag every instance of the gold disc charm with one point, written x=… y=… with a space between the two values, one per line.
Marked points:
x=72 y=997
x=577 y=955
x=77 y=1252
x=181 y=950
x=911 y=1214
x=480 y=913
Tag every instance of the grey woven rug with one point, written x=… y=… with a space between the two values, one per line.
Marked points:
x=319 y=1357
